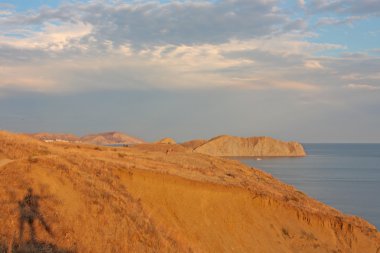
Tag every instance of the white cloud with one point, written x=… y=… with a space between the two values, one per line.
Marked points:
x=301 y=3
x=51 y=37
x=5 y=12
x=312 y=64
x=355 y=86
x=182 y=22
x=338 y=20
x=291 y=85
x=176 y=45
x=362 y=8
x=170 y=66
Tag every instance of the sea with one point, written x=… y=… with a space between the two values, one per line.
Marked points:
x=344 y=176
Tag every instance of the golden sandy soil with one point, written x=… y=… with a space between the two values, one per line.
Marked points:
x=101 y=199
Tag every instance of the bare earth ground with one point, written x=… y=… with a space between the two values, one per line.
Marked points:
x=146 y=199
x=4 y=162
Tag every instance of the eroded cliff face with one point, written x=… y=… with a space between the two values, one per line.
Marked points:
x=254 y=146
x=103 y=199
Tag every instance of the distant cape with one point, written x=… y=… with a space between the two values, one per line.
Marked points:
x=226 y=145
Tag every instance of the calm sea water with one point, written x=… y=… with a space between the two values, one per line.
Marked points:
x=345 y=176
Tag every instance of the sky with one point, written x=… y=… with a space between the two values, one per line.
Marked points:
x=303 y=70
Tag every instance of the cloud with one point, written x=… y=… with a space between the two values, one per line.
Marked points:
x=51 y=37
x=271 y=63
x=363 y=7
x=147 y=23
x=300 y=86
x=355 y=86
x=301 y=3
x=338 y=21
x=5 y=12
x=174 y=45
x=312 y=64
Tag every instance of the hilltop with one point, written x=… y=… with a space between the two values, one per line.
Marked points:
x=110 y=138
x=106 y=199
x=167 y=140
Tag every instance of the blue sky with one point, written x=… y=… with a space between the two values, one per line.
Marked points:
x=21 y=5
x=296 y=70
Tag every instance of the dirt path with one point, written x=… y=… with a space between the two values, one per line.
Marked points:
x=4 y=162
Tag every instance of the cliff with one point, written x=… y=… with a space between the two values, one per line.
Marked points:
x=255 y=146
x=106 y=199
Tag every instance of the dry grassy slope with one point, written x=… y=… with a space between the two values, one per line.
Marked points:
x=101 y=199
x=161 y=148
x=193 y=143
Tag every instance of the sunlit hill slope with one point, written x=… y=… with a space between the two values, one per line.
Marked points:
x=103 y=199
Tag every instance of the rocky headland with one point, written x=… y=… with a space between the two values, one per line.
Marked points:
x=226 y=145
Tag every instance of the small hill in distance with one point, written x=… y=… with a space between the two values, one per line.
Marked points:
x=167 y=140
x=106 y=138
x=58 y=137
x=110 y=138
x=226 y=145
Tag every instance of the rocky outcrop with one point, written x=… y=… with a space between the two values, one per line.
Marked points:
x=254 y=146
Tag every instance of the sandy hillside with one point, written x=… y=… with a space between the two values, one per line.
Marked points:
x=100 y=199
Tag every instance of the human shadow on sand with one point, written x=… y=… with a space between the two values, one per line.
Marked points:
x=33 y=247
x=29 y=215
